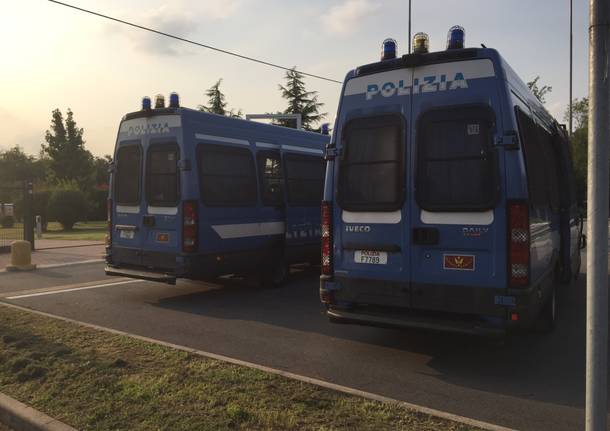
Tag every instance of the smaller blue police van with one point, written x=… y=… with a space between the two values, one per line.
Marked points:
x=197 y=195
x=449 y=196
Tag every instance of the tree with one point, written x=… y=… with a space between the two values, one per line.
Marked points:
x=66 y=149
x=67 y=205
x=578 y=141
x=101 y=166
x=217 y=102
x=580 y=112
x=300 y=101
x=539 y=92
x=15 y=165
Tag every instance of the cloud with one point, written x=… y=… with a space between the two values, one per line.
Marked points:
x=219 y=9
x=169 y=21
x=345 y=18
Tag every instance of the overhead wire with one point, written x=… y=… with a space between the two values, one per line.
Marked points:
x=192 y=42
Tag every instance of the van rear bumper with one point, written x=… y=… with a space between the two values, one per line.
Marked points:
x=140 y=275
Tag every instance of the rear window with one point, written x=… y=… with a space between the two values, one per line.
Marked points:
x=304 y=179
x=127 y=175
x=162 y=187
x=456 y=167
x=372 y=168
x=227 y=176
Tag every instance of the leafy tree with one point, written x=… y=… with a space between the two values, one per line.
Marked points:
x=539 y=92
x=300 y=101
x=67 y=204
x=217 y=102
x=101 y=165
x=579 y=142
x=15 y=165
x=66 y=149
x=580 y=112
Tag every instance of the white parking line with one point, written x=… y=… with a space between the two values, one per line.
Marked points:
x=73 y=289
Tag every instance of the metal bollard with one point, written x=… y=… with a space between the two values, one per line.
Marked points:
x=21 y=257
x=38 y=227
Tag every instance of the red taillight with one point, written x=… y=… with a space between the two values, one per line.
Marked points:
x=109 y=221
x=518 y=244
x=189 y=226
x=327 y=240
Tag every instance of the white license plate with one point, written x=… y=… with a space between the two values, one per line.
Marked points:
x=127 y=234
x=371 y=257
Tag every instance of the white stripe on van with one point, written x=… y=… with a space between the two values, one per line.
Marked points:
x=391 y=217
x=266 y=145
x=480 y=218
x=222 y=139
x=162 y=210
x=128 y=209
x=302 y=149
x=245 y=230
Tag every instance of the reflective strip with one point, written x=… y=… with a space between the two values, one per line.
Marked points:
x=245 y=230
x=266 y=145
x=163 y=210
x=391 y=217
x=301 y=149
x=128 y=209
x=222 y=139
x=470 y=218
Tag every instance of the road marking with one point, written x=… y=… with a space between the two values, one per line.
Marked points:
x=73 y=289
x=317 y=382
x=57 y=265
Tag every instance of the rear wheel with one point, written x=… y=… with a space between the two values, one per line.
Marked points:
x=548 y=316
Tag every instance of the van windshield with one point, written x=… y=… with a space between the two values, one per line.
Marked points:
x=455 y=162
x=162 y=175
x=372 y=168
x=127 y=176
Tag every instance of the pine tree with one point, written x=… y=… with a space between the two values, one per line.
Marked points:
x=539 y=92
x=217 y=102
x=66 y=149
x=300 y=101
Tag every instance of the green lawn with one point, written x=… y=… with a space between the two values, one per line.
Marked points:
x=95 y=380
x=83 y=231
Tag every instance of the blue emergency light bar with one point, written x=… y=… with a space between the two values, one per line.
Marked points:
x=174 y=100
x=456 y=37
x=388 y=49
x=146 y=104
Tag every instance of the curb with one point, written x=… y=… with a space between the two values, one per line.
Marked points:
x=21 y=417
x=310 y=380
x=59 y=265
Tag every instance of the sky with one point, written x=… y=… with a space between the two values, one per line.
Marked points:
x=56 y=57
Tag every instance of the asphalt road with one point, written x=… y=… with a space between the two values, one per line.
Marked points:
x=527 y=382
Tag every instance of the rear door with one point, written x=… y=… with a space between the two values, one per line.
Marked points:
x=373 y=232
x=160 y=221
x=458 y=224
x=127 y=236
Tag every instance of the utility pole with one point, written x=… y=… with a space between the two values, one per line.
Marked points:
x=597 y=216
x=571 y=63
x=409 y=41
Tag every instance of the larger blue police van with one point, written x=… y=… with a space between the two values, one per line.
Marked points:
x=198 y=195
x=449 y=197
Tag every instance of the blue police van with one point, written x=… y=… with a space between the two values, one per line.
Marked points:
x=197 y=195
x=449 y=197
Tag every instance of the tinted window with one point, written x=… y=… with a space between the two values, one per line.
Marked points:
x=371 y=169
x=540 y=161
x=227 y=176
x=270 y=175
x=304 y=179
x=162 y=175
x=456 y=165
x=127 y=176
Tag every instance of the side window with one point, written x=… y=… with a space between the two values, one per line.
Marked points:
x=162 y=184
x=270 y=178
x=127 y=176
x=456 y=166
x=226 y=176
x=372 y=169
x=304 y=179
x=540 y=162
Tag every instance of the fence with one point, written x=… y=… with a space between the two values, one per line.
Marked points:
x=16 y=215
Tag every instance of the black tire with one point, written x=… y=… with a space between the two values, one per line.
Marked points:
x=547 y=321
x=276 y=275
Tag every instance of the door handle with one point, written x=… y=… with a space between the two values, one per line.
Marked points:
x=425 y=236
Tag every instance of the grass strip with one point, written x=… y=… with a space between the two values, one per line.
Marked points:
x=95 y=380
x=82 y=231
